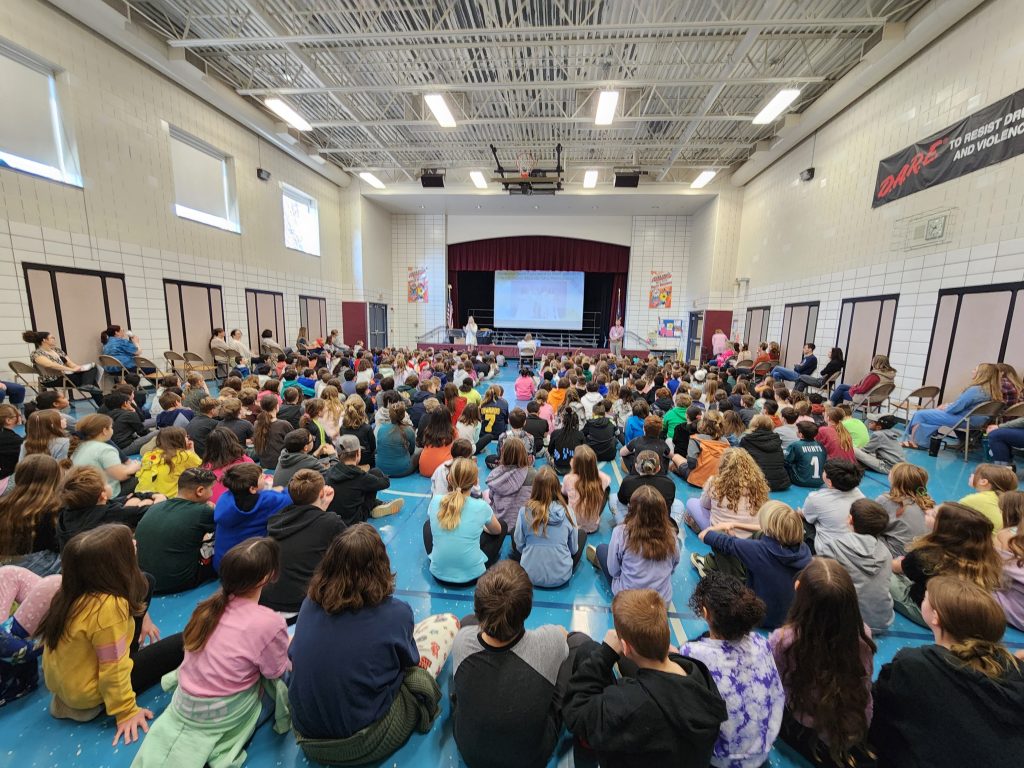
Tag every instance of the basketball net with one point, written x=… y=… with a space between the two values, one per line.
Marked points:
x=525 y=162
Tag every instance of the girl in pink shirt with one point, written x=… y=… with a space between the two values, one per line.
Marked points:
x=525 y=385
x=546 y=412
x=231 y=641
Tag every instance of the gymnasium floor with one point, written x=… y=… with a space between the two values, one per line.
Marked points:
x=30 y=737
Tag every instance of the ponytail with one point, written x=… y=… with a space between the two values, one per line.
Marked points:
x=261 y=432
x=843 y=436
x=204 y=620
x=987 y=657
x=450 y=513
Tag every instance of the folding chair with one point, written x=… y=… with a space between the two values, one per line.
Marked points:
x=195 y=363
x=762 y=369
x=21 y=373
x=107 y=361
x=144 y=364
x=874 y=398
x=926 y=398
x=175 y=363
x=827 y=385
x=744 y=364
x=73 y=392
x=987 y=411
x=1011 y=413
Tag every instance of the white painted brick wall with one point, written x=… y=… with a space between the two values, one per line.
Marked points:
x=418 y=242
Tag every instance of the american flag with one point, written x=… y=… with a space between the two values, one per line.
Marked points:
x=451 y=311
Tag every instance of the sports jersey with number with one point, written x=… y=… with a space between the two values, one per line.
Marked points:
x=804 y=461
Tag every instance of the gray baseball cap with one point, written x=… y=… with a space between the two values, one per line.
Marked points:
x=348 y=444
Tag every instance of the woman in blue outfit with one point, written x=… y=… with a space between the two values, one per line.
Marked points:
x=985 y=386
x=117 y=344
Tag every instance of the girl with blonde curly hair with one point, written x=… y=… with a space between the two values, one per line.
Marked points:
x=733 y=494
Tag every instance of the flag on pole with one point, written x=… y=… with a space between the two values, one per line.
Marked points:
x=451 y=310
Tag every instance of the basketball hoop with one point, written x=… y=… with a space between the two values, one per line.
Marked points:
x=525 y=162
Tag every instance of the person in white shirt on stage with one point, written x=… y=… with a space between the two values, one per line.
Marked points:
x=615 y=334
x=470 y=329
x=528 y=347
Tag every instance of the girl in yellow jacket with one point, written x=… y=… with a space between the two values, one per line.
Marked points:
x=92 y=632
x=162 y=466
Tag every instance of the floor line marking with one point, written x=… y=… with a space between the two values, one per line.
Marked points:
x=406 y=493
x=676 y=624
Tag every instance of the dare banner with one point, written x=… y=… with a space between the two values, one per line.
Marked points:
x=987 y=137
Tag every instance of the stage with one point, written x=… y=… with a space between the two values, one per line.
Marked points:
x=511 y=351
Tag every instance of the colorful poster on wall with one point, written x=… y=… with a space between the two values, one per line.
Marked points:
x=661 y=290
x=672 y=329
x=417 y=285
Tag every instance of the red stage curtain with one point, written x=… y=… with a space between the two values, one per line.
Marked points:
x=538 y=252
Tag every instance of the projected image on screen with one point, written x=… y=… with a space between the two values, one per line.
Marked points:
x=538 y=300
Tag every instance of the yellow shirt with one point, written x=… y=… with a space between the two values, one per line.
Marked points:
x=472 y=396
x=91 y=665
x=157 y=477
x=986 y=502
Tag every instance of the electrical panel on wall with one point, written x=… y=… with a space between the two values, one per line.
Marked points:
x=925 y=230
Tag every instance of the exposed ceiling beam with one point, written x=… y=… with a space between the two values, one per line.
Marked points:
x=528 y=86
x=432 y=124
x=596 y=33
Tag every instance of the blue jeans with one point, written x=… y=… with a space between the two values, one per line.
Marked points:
x=840 y=393
x=784 y=374
x=15 y=391
x=1001 y=443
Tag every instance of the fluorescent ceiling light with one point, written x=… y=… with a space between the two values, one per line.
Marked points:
x=776 y=106
x=478 y=179
x=372 y=180
x=703 y=179
x=289 y=115
x=590 y=179
x=606 y=103
x=439 y=107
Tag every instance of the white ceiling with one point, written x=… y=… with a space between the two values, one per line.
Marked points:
x=494 y=203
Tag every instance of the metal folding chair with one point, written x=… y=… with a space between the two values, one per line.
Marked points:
x=988 y=411
x=73 y=392
x=21 y=373
x=175 y=363
x=107 y=361
x=196 y=363
x=874 y=398
x=926 y=398
x=145 y=364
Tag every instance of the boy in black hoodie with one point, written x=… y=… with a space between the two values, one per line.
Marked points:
x=129 y=433
x=303 y=531
x=355 y=489
x=537 y=426
x=85 y=504
x=290 y=409
x=665 y=710
x=599 y=433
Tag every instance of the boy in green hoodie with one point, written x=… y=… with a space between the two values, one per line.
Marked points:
x=676 y=416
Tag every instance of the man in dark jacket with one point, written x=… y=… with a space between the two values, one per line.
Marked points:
x=298 y=454
x=355 y=489
x=303 y=530
x=599 y=433
x=664 y=710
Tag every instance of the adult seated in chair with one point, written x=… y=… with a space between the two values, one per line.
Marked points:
x=881 y=373
x=835 y=364
x=1004 y=439
x=222 y=354
x=54 y=365
x=985 y=386
x=120 y=346
x=528 y=347
x=807 y=365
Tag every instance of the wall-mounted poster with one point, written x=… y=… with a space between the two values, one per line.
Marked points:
x=672 y=329
x=417 y=285
x=661 y=290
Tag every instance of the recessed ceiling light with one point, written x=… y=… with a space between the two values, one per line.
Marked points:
x=590 y=179
x=536 y=207
x=703 y=179
x=478 y=179
x=372 y=180
x=439 y=107
x=776 y=106
x=286 y=113
x=479 y=207
x=606 y=103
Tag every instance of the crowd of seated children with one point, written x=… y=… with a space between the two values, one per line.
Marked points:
x=768 y=562
x=959 y=544
x=545 y=538
x=643 y=551
x=734 y=493
x=741 y=664
x=353 y=635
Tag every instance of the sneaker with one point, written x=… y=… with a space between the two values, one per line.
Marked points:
x=698 y=562
x=691 y=523
x=62 y=711
x=384 y=510
x=592 y=556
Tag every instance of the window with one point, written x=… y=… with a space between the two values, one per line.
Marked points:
x=33 y=138
x=301 y=221
x=204 y=189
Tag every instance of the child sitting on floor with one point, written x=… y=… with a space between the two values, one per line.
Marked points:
x=242 y=512
x=162 y=466
x=990 y=481
x=545 y=539
x=806 y=457
x=906 y=503
x=826 y=510
x=883 y=450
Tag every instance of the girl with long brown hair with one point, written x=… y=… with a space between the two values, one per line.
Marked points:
x=1010 y=546
x=28 y=516
x=928 y=698
x=93 y=632
x=45 y=433
x=231 y=641
x=546 y=541
x=960 y=544
x=906 y=502
x=824 y=654
x=985 y=386
x=353 y=635
x=162 y=466
x=509 y=483
x=462 y=535
x=586 y=488
x=269 y=431
x=95 y=450
x=836 y=438
x=643 y=551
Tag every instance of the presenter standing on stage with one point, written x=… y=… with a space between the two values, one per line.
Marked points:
x=615 y=334
x=470 y=330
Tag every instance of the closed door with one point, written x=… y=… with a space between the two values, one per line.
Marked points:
x=865 y=330
x=193 y=311
x=353 y=322
x=756 y=328
x=378 y=326
x=264 y=310
x=799 y=322
x=313 y=316
x=696 y=332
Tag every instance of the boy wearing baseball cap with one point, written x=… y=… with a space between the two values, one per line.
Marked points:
x=355 y=489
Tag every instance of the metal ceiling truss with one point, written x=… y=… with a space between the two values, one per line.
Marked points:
x=522 y=74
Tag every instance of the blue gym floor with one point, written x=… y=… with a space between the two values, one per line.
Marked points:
x=30 y=737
